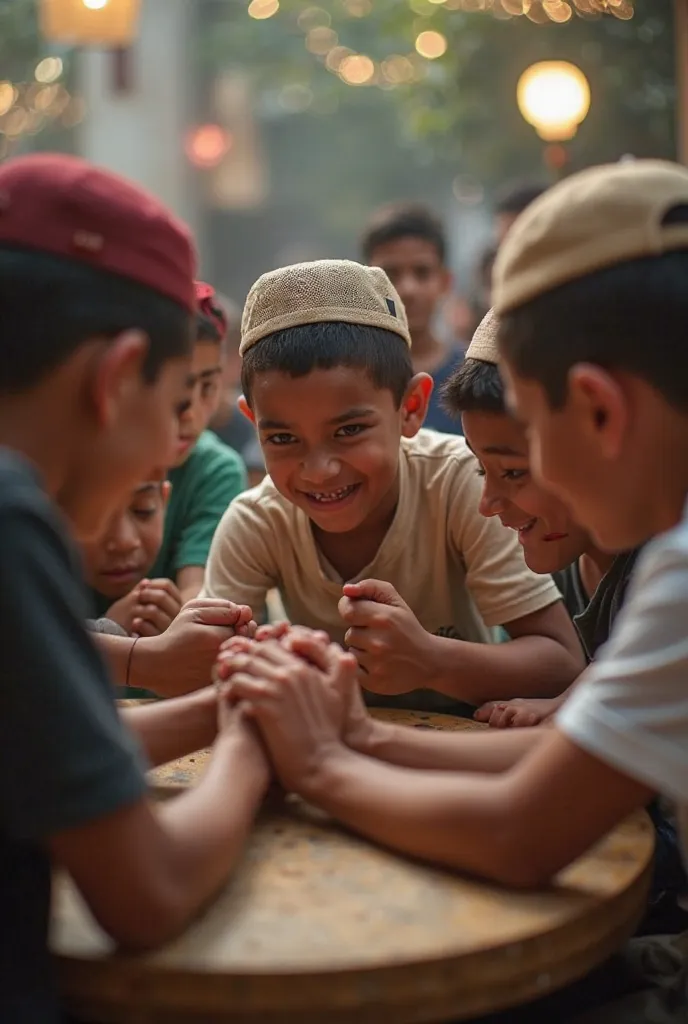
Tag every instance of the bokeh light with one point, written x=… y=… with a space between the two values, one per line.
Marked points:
x=553 y=96
x=207 y=145
x=431 y=45
x=49 y=70
x=95 y=5
x=262 y=9
x=357 y=69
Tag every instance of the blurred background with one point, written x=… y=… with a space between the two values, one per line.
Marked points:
x=275 y=127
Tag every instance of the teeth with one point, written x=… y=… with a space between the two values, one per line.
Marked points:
x=331 y=495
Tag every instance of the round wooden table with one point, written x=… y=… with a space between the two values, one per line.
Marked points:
x=319 y=926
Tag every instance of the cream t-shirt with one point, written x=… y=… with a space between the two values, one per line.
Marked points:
x=456 y=570
x=631 y=710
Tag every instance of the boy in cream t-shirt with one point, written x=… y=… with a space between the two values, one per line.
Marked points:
x=357 y=491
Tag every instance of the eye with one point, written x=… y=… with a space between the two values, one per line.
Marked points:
x=351 y=430
x=280 y=439
x=514 y=474
x=480 y=471
x=209 y=389
x=143 y=514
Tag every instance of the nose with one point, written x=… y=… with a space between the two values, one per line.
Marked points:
x=407 y=286
x=319 y=468
x=492 y=503
x=122 y=537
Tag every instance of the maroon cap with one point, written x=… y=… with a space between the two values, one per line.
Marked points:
x=209 y=306
x=66 y=206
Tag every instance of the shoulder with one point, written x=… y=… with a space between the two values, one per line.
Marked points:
x=430 y=452
x=27 y=512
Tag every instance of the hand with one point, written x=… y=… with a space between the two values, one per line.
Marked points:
x=181 y=659
x=312 y=645
x=148 y=609
x=518 y=713
x=391 y=647
x=300 y=708
x=235 y=726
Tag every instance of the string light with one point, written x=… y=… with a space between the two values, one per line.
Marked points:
x=263 y=9
x=431 y=45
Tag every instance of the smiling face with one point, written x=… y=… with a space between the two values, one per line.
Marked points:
x=551 y=540
x=331 y=442
x=204 y=393
x=416 y=270
x=128 y=548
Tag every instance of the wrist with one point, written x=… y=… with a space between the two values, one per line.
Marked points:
x=319 y=777
x=433 y=657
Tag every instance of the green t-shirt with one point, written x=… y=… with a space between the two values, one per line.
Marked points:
x=202 y=488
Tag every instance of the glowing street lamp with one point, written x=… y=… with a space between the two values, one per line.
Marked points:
x=102 y=23
x=554 y=96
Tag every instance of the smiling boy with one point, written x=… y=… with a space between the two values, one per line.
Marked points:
x=592 y=290
x=367 y=524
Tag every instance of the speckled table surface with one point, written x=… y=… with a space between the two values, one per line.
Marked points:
x=318 y=925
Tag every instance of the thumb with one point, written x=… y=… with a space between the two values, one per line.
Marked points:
x=374 y=590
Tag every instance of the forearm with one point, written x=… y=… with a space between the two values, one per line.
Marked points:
x=528 y=666
x=458 y=820
x=173 y=728
x=485 y=750
x=207 y=827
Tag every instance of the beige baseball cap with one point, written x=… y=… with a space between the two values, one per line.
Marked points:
x=320 y=292
x=484 y=343
x=595 y=219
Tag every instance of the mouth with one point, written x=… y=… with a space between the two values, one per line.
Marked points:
x=122 y=575
x=331 y=499
x=184 y=443
x=555 y=536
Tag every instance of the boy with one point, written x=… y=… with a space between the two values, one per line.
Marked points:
x=117 y=563
x=228 y=423
x=593 y=582
x=358 y=492
x=96 y=305
x=591 y=288
x=408 y=241
x=206 y=474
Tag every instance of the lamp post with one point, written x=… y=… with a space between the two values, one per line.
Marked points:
x=102 y=23
x=554 y=96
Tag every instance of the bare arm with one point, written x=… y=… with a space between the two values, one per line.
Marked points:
x=490 y=825
x=173 y=728
x=145 y=870
x=542 y=659
x=478 y=751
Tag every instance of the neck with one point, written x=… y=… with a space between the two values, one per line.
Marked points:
x=44 y=448
x=594 y=565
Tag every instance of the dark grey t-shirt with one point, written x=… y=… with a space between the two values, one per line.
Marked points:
x=65 y=759
x=594 y=619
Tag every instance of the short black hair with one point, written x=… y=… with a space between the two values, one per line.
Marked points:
x=50 y=306
x=474 y=386
x=515 y=196
x=207 y=329
x=297 y=351
x=631 y=317
x=404 y=220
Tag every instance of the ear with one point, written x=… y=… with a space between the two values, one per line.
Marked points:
x=414 y=405
x=118 y=375
x=245 y=409
x=601 y=405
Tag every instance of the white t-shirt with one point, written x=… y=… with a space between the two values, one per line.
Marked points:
x=455 y=569
x=632 y=709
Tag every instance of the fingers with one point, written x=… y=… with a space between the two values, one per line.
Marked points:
x=372 y=590
x=153 y=596
x=215 y=612
x=524 y=719
x=361 y=612
x=484 y=712
x=272 y=631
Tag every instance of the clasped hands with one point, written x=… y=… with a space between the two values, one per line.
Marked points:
x=302 y=694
